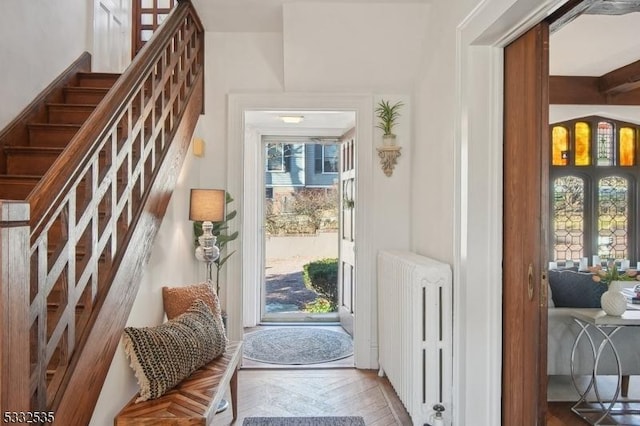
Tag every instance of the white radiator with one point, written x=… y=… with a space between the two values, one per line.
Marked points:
x=415 y=322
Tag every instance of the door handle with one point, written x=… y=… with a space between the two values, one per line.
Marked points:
x=530 y=284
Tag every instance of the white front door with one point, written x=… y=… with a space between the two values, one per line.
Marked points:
x=346 y=263
x=111 y=35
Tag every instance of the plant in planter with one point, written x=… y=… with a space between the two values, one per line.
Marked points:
x=388 y=115
x=220 y=231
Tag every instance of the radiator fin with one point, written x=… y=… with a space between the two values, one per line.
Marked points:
x=415 y=331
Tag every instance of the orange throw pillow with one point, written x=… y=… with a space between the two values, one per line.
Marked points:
x=178 y=300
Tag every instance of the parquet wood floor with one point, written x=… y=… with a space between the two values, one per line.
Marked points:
x=317 y=392
x=560 y=414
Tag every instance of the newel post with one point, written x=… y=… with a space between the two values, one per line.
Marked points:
x=14 y=306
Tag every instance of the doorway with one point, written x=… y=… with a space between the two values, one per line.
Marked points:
x=301 y=226
x=300 y=160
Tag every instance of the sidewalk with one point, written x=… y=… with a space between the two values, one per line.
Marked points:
x=285 y=287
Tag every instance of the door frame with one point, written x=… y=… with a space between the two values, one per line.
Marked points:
x=480 y=39
x=245 y=269
x=283 y=136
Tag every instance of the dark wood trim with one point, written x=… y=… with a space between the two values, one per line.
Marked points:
x=526 y=121
x=624 y=79
x=575 y=90
x=14 y=307
x=566 y=90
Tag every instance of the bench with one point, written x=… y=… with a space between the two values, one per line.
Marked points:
x=194 y=400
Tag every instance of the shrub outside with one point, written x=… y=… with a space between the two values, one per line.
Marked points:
x=321 y=276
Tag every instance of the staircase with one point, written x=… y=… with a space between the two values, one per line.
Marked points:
x=36 y=148
x=86 y=173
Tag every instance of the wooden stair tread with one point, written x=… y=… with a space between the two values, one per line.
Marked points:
x=84 y=94
x=55 y=126
x=63 y=105
x=29 y=148
x=10 y=178
x=96 y=79
x=17 y=187
x=88 y=89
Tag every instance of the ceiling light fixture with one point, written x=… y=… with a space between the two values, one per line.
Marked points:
x=291 y=119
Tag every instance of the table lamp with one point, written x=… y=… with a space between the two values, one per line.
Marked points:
x=207 y=205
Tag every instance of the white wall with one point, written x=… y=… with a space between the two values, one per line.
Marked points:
x=353 y=47
x=171 y=264
x=38 y=40
x=558 y=113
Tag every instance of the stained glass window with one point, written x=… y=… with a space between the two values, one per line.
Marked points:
x=605 y=143
x=594 y=175
x=568 y=218
x=560 y=146
x=613 y=214
x=583 y=144
x=627 y=146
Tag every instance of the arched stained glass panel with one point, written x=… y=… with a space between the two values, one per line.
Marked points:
x=604 y=139
x=583 y=144
x=627 y=146
x=568 y=218
x=613 y=217
x=560 y=146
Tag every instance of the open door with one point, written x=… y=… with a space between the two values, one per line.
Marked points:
x=526 y=166
x=346 y=263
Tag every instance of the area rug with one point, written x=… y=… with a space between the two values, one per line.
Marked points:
x=303 y=421
x=297 y=345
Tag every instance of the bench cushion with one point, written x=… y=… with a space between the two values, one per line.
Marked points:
x=164 y=355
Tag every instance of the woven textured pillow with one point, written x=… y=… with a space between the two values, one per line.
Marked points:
x=162 y=356
x=177 y=300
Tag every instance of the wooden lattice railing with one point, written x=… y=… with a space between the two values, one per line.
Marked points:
x=93 y=217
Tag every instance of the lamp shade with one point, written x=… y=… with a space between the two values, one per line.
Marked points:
x=207 y=205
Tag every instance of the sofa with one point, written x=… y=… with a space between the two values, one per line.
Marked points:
x=570 y=290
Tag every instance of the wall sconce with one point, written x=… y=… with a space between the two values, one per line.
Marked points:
x=389 y=152
x=388 y=158
x=198 y=147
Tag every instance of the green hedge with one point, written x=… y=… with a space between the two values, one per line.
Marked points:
x=321 y=276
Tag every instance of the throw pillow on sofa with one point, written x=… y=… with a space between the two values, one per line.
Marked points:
x=162 y=356
x=571 y=289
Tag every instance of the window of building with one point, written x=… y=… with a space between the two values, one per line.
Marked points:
x=594 y=177
x=330 y=159
x=278 y=157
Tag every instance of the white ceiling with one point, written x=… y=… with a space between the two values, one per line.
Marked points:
x=593 y=45
x=257 y=15
x=314 y=123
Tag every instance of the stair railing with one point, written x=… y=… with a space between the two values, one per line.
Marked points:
x=83 y=215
